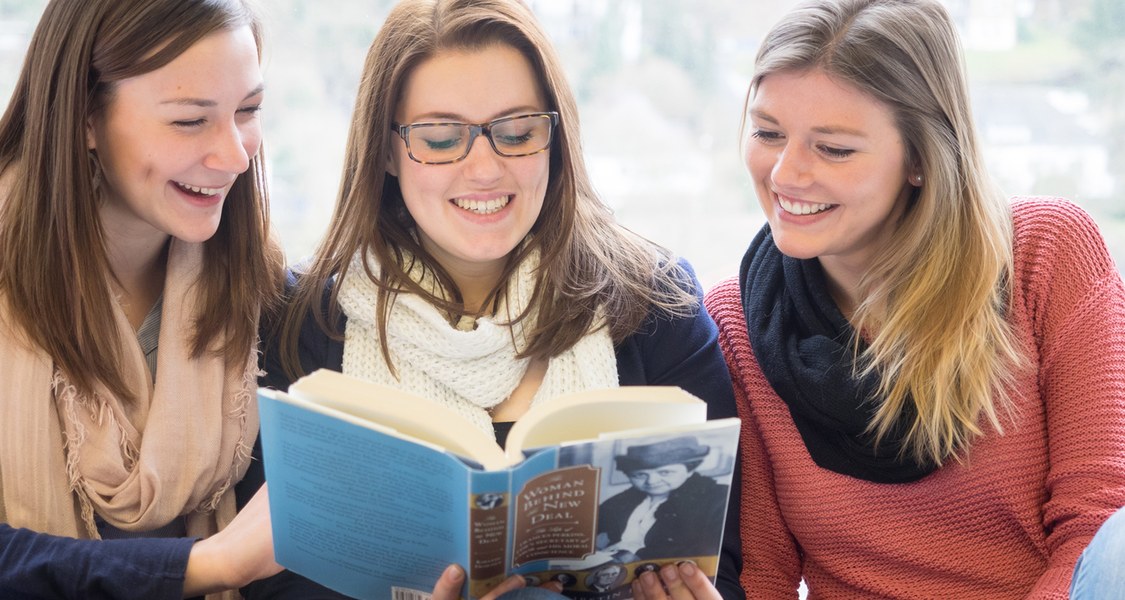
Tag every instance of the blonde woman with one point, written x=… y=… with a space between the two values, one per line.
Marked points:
x=931 y=377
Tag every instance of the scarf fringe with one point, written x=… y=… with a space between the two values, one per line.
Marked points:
x=69 y=402
x=240 y=409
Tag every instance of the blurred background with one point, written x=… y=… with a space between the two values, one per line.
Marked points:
x=661 y=84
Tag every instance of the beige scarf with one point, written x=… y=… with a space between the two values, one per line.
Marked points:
x=469 y=368
x=65 y=456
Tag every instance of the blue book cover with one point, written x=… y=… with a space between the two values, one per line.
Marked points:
x=373 y=491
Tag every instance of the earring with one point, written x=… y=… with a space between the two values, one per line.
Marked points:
x=916 y=180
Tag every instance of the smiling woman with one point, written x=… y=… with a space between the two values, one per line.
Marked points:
x=135 y=259
x=831 y=177
x=469 y=259
x=911 y=348
x=172 y=141
x=170 y=144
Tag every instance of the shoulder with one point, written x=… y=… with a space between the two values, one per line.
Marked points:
x=724 y=298
x=1044 y=217
x=315 y=346
x=667 y=333
x=661 y=322
x=1053 y=238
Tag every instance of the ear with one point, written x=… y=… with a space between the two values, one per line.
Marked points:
x=91 y=138
x=392 y=163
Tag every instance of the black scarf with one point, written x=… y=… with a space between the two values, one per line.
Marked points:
x=804 y=346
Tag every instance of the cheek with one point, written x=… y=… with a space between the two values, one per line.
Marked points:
x=421 y=184
x=534 y=172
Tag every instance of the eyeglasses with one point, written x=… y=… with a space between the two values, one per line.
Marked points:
x=443 y=143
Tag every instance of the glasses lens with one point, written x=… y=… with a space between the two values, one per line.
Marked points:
x=522 y=135
x=438 y=142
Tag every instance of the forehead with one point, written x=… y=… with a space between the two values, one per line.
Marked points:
x=817 y=100
x=219 y=64
x=473 y=84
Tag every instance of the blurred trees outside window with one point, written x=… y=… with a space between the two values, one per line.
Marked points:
x=661 y=85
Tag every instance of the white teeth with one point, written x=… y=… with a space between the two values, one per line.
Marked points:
x=801 y=208
x=200 y=190
x=483 y=207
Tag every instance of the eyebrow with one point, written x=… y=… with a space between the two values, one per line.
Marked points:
x=208 y=103
x=822 y=129
x=461 y=118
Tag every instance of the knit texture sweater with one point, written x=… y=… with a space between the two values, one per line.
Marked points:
x=1011 y=518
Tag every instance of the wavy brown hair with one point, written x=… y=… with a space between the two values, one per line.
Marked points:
x=54 y=270
x=588 y=261
x=936 y=295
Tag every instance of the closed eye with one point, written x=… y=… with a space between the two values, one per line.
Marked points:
x=766 y=136
x=444 y=144
x=832 y=152
x=513 y=140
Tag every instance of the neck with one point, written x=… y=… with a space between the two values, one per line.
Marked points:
x=137 y=261
x=475 y=282
x=843 y=284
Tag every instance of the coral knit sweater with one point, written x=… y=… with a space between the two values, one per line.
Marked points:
x=1007 y=522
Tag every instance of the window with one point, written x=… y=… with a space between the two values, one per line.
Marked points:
x=1048 y=88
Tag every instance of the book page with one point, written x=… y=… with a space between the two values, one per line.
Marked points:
x=588 y=415
x=403 y=412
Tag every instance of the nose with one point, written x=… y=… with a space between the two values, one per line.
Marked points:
x=791 y=167
x=231 y=149
x=483 y=164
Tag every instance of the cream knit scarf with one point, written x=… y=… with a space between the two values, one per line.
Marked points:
x=65 y=456
x=467 y=369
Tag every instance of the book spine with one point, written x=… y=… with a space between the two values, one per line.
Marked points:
x=489 y=513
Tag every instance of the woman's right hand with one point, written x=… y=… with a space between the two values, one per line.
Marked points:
x=448 y=586
x=242 y=552
x=684 y=581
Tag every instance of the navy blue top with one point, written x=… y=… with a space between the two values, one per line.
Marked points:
x=664 y=351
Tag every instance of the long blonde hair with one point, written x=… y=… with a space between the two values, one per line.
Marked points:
x=936 y=294
x=588 y=261
x=53 y=264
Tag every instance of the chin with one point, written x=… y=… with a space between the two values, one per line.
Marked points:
x=197 y=236
x=795 y=250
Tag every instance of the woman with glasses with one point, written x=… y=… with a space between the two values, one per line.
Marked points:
x=931 y=376
x=469 y=259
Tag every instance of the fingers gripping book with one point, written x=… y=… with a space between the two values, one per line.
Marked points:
x=374 y=491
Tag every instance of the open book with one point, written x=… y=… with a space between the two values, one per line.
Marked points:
x=374 y=491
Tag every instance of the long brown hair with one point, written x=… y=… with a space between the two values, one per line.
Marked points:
x=936 y=296
x=588 y=261
x=53 y=265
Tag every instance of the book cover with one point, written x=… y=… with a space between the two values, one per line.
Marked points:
x=375 y=504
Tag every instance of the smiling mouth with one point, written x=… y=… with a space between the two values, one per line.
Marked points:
x=199 y=191
x=483 y=207
x=802 y=208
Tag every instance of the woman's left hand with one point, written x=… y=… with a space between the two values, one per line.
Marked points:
x=675 y=582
